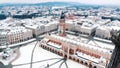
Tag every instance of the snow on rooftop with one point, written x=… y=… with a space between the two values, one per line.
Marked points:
x=106 y=28
x=105 y=45
x=80 y=54
x=115 y=27
x=54 y=45
x=3 y=32
x=82 y=44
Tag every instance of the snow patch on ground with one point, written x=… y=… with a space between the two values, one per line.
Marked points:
x=39 y=55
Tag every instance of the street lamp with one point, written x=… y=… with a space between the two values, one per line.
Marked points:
x=106 y=63
x=90 y=63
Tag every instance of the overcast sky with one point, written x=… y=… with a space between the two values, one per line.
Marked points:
x=108 y=2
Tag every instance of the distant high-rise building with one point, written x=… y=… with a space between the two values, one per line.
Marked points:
x=61 y=29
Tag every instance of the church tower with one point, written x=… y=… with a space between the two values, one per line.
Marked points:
x=115 y=59
x=61 y=28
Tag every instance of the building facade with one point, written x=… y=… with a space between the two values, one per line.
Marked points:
x=77 y=51
x=15 y=35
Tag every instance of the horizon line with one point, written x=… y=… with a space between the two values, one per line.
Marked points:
x=61 y=1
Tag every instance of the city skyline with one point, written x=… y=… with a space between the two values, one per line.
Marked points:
x=59 y=34
x=98 y=2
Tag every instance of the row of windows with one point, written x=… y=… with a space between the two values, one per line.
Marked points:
x=3 y=37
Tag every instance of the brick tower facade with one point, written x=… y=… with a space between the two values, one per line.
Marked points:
x=62 y=25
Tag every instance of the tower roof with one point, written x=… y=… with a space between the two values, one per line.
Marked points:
x=62 y=15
